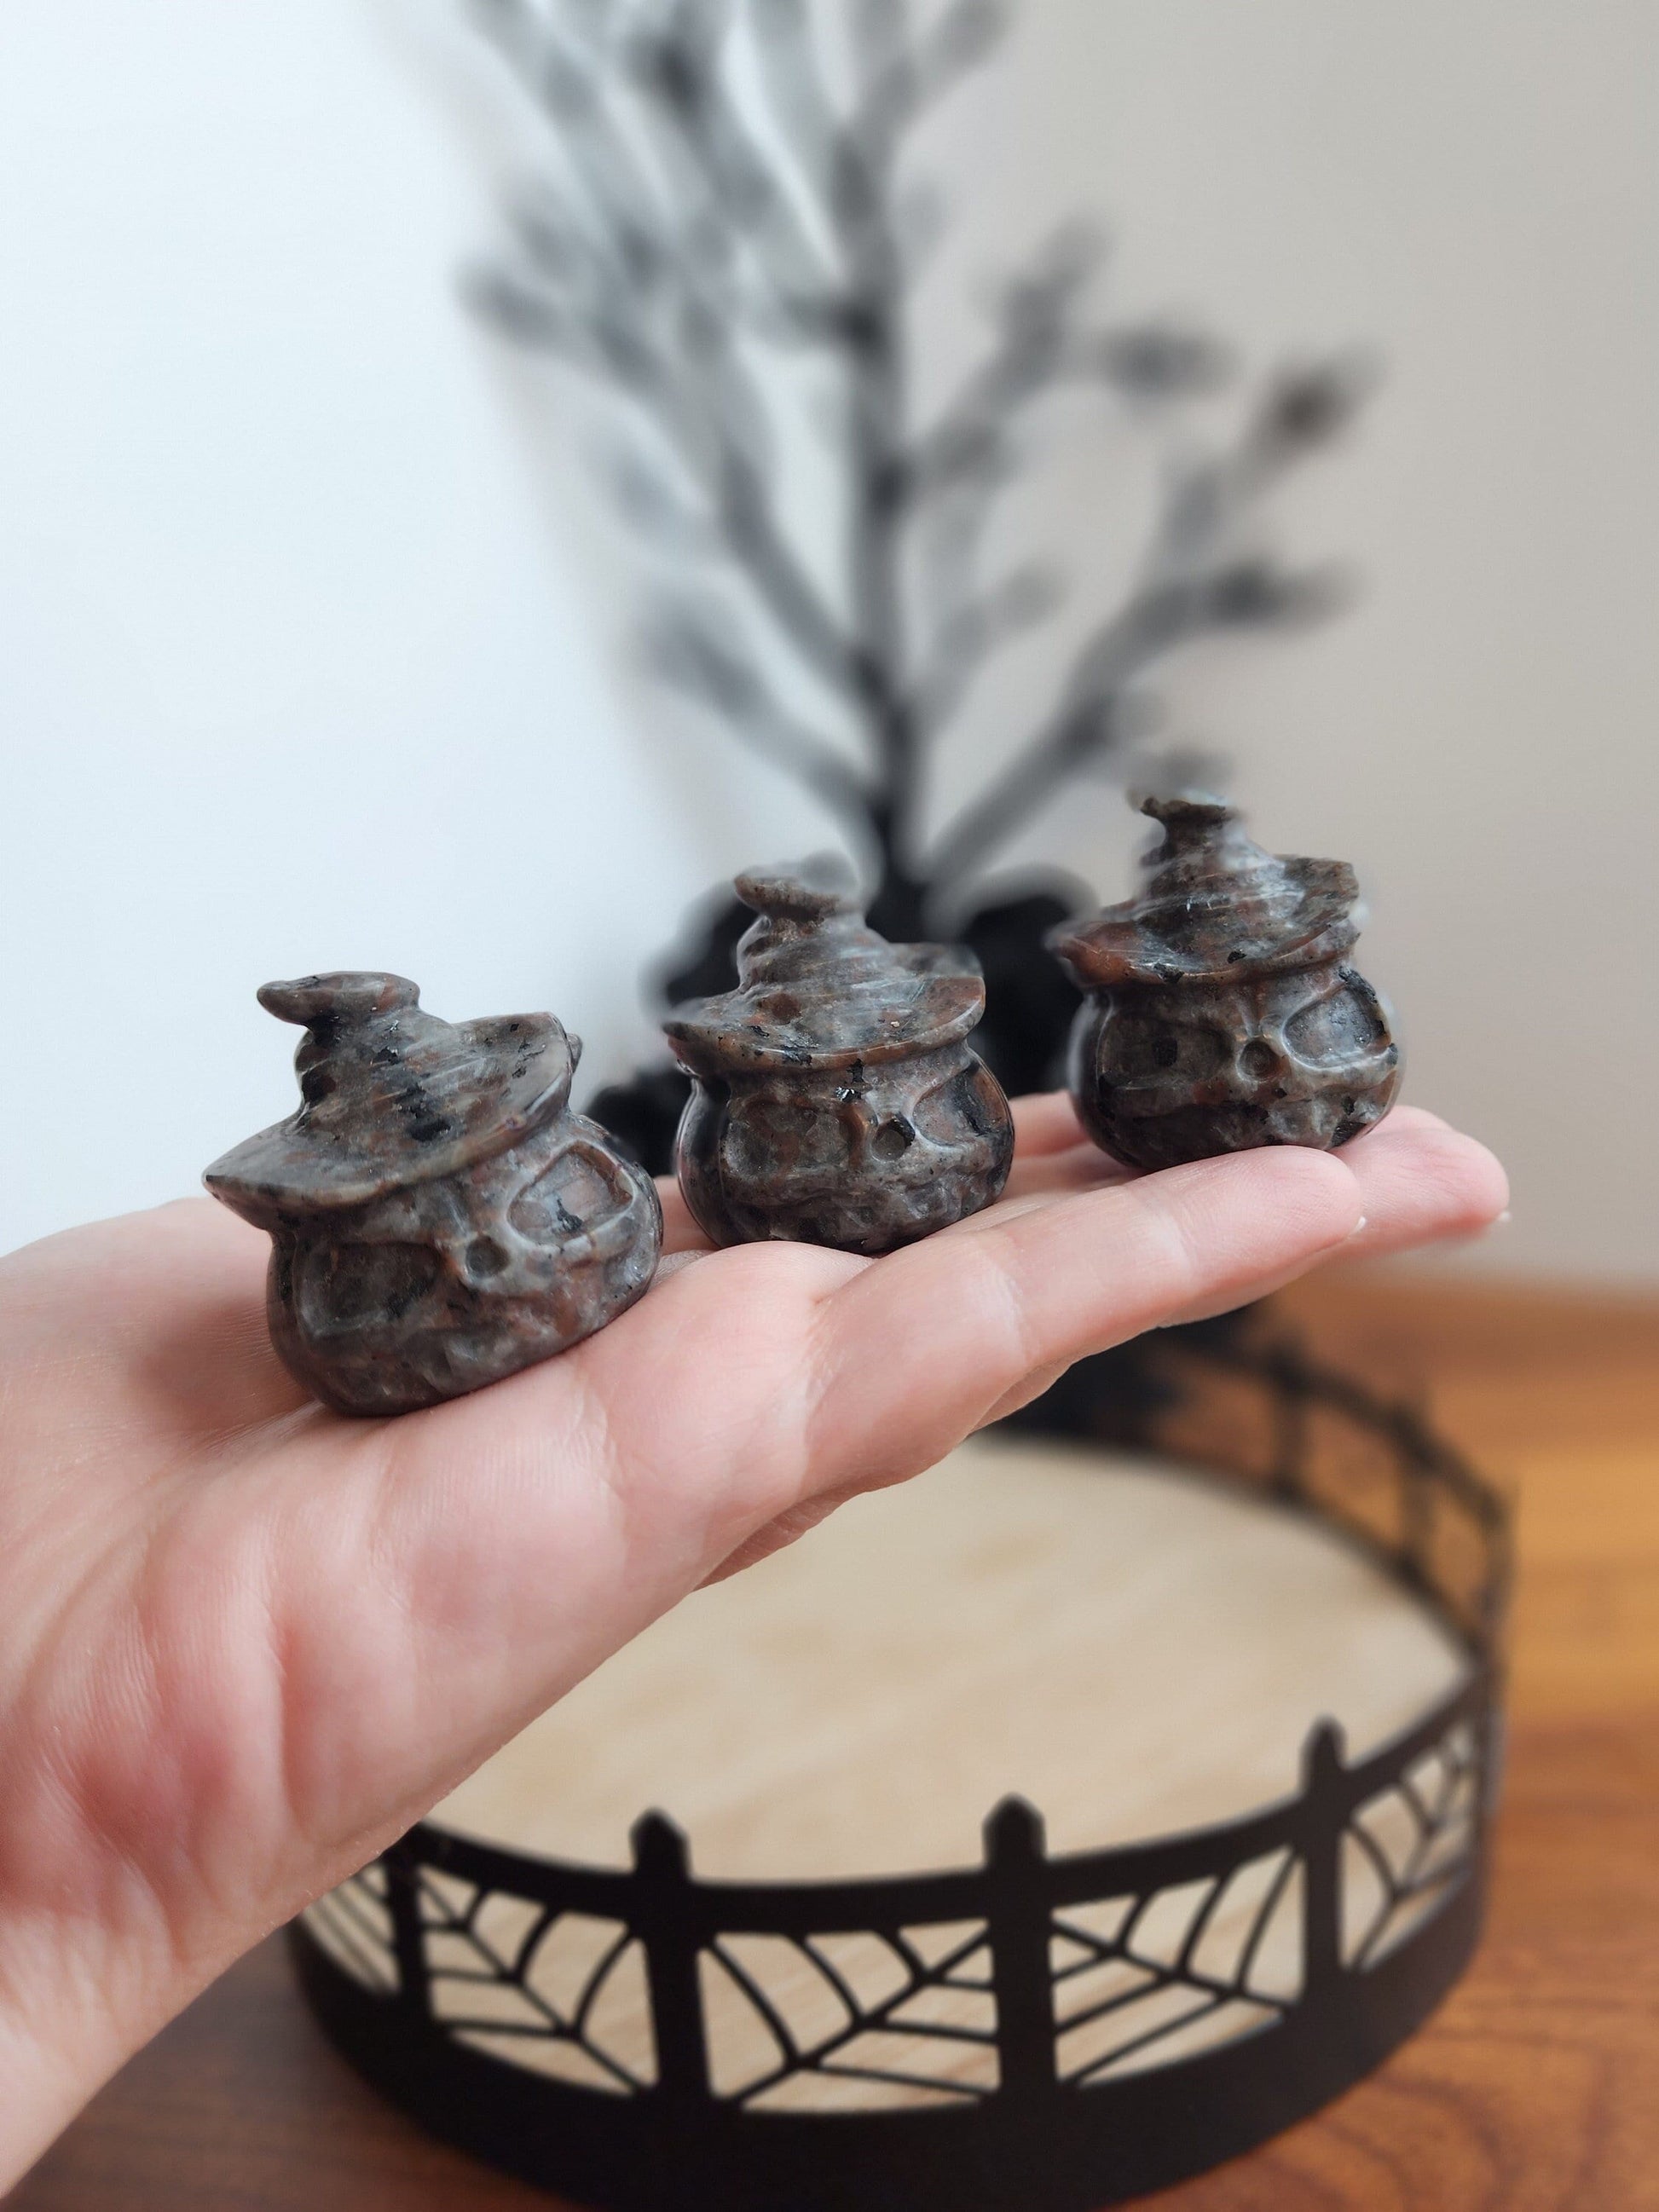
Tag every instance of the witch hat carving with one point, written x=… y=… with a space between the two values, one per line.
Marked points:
x=1222 y=1011
x=438 y=1217
x=836 y=1099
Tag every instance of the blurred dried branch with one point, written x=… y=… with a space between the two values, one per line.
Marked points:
x=690 y=242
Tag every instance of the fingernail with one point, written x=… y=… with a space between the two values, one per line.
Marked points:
x=1358 y=1228
x=1501 y=1220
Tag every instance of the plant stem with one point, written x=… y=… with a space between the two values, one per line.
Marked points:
x=877 y=405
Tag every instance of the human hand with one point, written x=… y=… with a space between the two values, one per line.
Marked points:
x=245 y=1643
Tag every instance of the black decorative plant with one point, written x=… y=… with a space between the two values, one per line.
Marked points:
x=728 y=219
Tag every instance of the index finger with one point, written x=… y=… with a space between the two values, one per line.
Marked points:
x=680 y=1233
x=1045 y=1123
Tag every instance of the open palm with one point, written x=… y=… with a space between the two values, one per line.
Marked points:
x=244 y=1642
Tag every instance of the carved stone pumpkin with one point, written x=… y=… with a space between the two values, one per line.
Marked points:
x=439 y=1218
x=834 y=1098
x=1221 y=1013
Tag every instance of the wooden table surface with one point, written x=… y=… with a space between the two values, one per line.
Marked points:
x=1534 y=2089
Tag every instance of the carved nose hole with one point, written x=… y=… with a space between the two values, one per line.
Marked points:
x=1166 y=1052
x=892 y=1140
x=1259 y=1060
x=484 y=1256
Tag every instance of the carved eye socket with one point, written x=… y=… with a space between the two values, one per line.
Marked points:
x=577 y=1193
x=1140 y=1048
x=968 y=1109
x=893 y=1140
x=1340 y=1027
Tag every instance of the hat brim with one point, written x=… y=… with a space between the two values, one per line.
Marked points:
x=510 y=1075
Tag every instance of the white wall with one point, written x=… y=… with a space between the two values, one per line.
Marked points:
x=1477 y=185
x=305 y=628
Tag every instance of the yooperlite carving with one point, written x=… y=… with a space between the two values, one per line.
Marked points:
x=1221 y=1013
x=439 y=1218
x=834 y=1098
